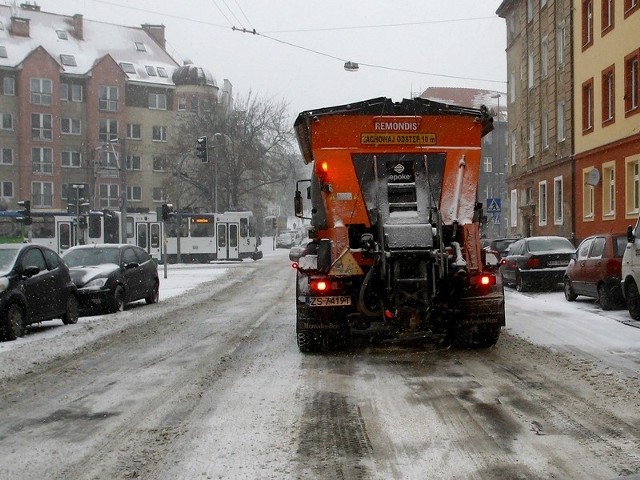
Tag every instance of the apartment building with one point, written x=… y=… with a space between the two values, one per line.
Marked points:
x=540 y=171
x=606 y=86
x=78 y=95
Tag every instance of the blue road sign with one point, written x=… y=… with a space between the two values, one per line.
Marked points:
x=493 y=205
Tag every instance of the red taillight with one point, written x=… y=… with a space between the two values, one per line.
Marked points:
x=322 y=171
x=486 y=280
x=319 y=285
x=533 y=263
x=295 y=265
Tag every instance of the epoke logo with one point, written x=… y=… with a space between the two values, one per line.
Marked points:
x=399 y=176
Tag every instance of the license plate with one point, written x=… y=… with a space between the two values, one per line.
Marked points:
x=558 y=263
x=329 y=301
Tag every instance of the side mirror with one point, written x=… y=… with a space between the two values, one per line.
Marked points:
x=30 y=271
x=630 y=236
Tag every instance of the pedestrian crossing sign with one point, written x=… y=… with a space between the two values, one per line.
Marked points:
x=493 y=205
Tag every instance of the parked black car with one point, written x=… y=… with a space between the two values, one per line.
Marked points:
x=596 y=270
x=536 y=261
x=35 y=286
x=109 y=276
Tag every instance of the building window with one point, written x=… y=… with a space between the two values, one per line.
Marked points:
x=8 y=86
x=133 y=131
x=632 y=184
x=608 y=189
x=529 y=10
x=630 y=6
x=159 y=134
x=159 y=163
x=134 y=193
x=128 y=68
x=587 y=106
x=195 y=104
x=108 y=130
x=134 y=162
x=70 y=126
x=631 y=82
x=6 y=156
x=545 y=131
x=68 y=60
x=560 y=43
x=588 y=196
x=6 y=121
x=182 y=104
x=71 y=92
x=151 y=71
x=558 y=201
x=140 y=47
x=512 y=87
x=608 y=15
x=162 y=72
x=487 y=164
x=532 y=140
x=587 y=23
x=530 y=71
x=542 y=203
x=560 y=126
x=71 y=159
x=158 y=194
x=41 y=194
x=544 y=57
x=62 y=34
x=109 y=195
x=6 y=189
x=3 y=52
x=41 y=90
x=608 y=96
x=41 y=160
x=41 y=126
x=514 y=158
x=157 y=101
x=108 y=98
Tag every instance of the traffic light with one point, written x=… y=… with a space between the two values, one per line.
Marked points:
x=201 y=149
x=167 y=211
x=25 y=214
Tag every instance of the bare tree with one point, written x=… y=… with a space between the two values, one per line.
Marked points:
x=249 y=156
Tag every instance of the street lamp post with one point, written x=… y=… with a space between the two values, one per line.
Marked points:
x=77 y=187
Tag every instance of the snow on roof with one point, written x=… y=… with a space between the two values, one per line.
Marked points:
x=468 y=97
x=128 y=45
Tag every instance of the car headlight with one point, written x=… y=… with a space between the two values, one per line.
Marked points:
x=4 y=283
x=96 y=283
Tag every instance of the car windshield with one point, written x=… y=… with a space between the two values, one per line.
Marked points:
x=503 y=244
x=88 y=257
x=621 y=245
x=7 y=258
x=549 y=244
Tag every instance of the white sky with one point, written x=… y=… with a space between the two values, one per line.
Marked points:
x=462 y=40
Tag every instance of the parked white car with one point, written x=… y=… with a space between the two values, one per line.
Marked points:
x=631 y=271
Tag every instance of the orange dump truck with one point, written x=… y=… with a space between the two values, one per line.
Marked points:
x=395 y=224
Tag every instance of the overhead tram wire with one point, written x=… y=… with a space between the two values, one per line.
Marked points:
x=230 y=11
x=370 y=65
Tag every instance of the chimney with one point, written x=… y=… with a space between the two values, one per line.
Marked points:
x=19 y=27
x=78 y=26
x=156 y=32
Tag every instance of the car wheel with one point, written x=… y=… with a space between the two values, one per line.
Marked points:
x=633 y=300
x=155 y=294
x=71 y=315
x=14 y=322
x=569 y=294
x=504 y=280
x=117 y=302
x=520 y=285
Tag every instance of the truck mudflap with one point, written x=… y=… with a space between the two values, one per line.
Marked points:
x=481 y=310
